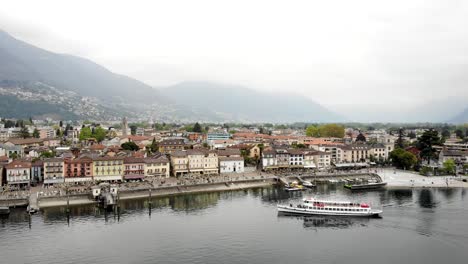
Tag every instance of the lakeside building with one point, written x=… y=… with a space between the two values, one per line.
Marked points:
x=54 y=171
x=79 y=169
x=108 y=168
x=157 y=166
x=179 y=163
x=18 y=173
x=231 y=164
x=134 y=168
x=37 y=171
x=195 y=161
x=286 y=158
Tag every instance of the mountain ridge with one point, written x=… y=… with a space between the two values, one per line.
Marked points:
x=244 y=103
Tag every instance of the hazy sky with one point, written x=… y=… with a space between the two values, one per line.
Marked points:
x=343 y=54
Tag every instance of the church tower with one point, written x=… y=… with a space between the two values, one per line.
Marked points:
x=124 y=127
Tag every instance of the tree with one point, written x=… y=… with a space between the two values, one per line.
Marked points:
x=24 y=132
x=360 y=138
x=19 y=123
x=412 y=135
x=133 y=129
x=35 y=133
x=332 y=130
x=197 y=128
x=130 y=146
x=85 y=133
x=99 y=134
x=31 y=121
x=312 y=131
x=153 y=147
x=9 y=123
x=426 y=144
x=47 y=154
x=299 y=146
x=14 y=155
x=61 y=123
x=449 y=166
x=459 y=133
x=403 y=159
x=58 y=132
x=445 y=133
x=400 y=138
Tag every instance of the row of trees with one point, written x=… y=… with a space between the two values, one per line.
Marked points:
x=328 y=130
x=404 y=159
x=98 y=133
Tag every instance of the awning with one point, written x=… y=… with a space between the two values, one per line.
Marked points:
x=50 y=181
x=78 y=179
x=134 y=177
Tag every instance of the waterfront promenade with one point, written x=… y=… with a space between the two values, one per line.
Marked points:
x=81 y=194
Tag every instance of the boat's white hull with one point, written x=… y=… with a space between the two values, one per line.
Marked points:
x=304 y=211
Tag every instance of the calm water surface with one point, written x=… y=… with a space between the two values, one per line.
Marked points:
x=418 y=226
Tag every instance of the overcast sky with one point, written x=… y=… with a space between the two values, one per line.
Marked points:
x=344 y=54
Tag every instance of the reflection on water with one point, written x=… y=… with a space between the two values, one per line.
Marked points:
x=217 y=227
x=426 y=199
x=334 y=222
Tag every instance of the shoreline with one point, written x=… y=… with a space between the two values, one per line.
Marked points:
x=395 y=180
x=46 y=202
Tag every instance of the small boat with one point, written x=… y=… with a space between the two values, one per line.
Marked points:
x=4 y=210
x=366 y=186
x=31 y=210
x=308 y=184
x=294 y=187
x=322 y=207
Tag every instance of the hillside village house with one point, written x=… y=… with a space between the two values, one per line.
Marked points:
x=25 y=142
x=157 y=166
x=169 y=146
x=11 y=150
x=54 y=171
x=458 y=156
x=108 y=168
x=18 y=173
x=1 y=174
x=47 y=132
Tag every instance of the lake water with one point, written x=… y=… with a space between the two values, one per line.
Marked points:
x=417 y=226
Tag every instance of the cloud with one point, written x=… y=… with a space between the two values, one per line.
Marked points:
x=370 y=54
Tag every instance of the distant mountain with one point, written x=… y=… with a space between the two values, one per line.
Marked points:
x=461 y=117
x=233 y=102
x=23 y=66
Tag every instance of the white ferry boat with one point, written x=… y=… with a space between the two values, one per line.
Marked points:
x=321 y=207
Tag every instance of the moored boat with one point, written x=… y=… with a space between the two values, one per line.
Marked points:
x=375 y=185
x=322 y=207
x=308 y=184
x=4 y=210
